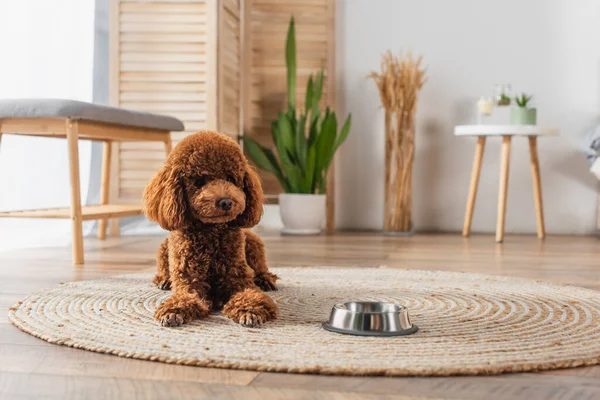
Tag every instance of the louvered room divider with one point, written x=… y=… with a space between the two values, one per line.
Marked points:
x=214 y=64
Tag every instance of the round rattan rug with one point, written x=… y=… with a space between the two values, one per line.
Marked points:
x=469 y=324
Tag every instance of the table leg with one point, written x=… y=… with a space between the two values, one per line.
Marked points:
x=537 y=186
x=105 y=186
x=504 y=167
x=76 y=218
x=476 y=171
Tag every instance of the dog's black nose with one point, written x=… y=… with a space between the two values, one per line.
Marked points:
x=225 y=203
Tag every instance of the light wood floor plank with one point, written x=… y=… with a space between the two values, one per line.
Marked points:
x=60 y=360
x=61 y=387
x=12 y=336
x=514 y=387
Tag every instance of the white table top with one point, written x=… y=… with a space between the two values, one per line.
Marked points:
x=503 y=130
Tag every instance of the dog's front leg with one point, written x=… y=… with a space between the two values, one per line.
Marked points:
x=188 y=302
x=162 y=278
x=256 y=259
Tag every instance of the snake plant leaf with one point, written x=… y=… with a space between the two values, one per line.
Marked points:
x=314 y=124
x=321 y=121
x=291 y=114
x=290 y=61
x=293 y=123
x=286 y=134
x=264 y=159
x=309 y=95
x=301 y=145
x=343 y=133
x=326 y=116
x=325 y=143
x=274 y=132
x=322 y=186
x=313 y=132
x=318 y=92
x=291 y=171
x=295 y=179
x=309 y=173
x=272 y=159
x=282 y=180
x=277 y=139
x=257 y=154
x=338 y=141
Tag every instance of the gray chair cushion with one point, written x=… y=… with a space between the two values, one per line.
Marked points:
x=58 y=108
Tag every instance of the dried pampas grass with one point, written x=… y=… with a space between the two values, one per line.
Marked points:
x=399 y=82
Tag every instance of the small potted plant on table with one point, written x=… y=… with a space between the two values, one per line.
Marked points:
x=522 y=114
x=305 y=142
x=503 y=100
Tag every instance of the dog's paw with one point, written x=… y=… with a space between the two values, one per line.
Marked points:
x=266 y=281
x=171 y=319
x=169 y=316
x=162 y=282
x=250 y=320
x=176 y=311
x=251 y=307
x=165 y=284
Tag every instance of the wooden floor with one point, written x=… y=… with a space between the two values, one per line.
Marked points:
x=33 y=369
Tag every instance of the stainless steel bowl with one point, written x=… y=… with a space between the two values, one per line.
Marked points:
x=368 y=318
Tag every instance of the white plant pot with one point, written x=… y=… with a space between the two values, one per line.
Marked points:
x=302 y=214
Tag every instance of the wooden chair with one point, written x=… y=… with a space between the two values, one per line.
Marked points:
x=75 y=120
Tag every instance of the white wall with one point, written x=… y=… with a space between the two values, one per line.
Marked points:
x=550 y=48
x=51 y=53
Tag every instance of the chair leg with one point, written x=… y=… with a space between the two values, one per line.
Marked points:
x=475 y=173
x=76 y=217
x=168 y=146
x=105 y=186
x=115 y=227
x=537 y=186
x=504 y=167
x=114 y=223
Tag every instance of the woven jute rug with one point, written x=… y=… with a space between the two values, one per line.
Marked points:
x=469 y=324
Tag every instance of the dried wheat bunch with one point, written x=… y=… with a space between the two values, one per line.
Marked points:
x=399 y=82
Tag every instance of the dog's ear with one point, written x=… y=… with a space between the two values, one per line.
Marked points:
x=164 y=201
x=254 y=200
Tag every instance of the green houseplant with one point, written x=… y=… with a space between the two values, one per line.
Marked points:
x=522 y=114
x=503 y=100
x=305 y=141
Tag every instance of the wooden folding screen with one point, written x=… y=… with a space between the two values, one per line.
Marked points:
x=229 y=68
x=179 y=58
x=214 y=64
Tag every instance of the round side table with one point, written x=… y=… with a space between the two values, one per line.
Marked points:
x=506 y=132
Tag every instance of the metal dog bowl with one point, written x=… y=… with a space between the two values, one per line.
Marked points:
x=370 y=318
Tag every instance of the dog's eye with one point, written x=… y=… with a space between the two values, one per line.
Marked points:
x=199 y=182
x=230 y=179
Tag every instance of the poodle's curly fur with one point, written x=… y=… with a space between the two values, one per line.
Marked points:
x=207 y=195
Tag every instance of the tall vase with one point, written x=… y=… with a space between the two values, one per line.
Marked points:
x=399 y=157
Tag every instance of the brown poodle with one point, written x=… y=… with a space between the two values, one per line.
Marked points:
x=206 y=194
